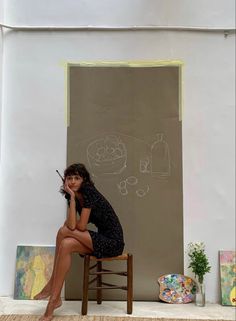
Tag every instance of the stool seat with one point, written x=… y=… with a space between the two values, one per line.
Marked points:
x=100 y=285
x=119 y=257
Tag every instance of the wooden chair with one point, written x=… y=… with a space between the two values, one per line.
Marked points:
x=100 y=285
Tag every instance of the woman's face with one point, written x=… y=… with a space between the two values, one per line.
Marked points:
x=74 y=182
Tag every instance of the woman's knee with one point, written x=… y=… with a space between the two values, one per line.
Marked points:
x=68 y=244
x=63 y=231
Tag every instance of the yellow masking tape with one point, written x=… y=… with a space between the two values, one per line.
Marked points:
x=153 y=63
x=65 y=65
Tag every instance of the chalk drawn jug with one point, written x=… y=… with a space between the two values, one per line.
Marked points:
x=160 y=157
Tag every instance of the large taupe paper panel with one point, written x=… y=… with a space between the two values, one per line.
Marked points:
x=125 y=126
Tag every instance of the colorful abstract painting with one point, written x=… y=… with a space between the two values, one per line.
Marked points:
x=176 y=288
x=228 y=277
x=34 y=266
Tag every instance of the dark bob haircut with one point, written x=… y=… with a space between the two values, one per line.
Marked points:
x=78 y=169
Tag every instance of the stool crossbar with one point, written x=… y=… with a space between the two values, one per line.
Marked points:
x=100 y=285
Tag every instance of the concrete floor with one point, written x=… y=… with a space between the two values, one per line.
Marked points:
x=115 y=308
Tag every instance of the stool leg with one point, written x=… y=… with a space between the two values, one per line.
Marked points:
x=84 y=307
x=99 y=282
x=130 y=284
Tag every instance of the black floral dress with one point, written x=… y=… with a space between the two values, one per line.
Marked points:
x=108 y=240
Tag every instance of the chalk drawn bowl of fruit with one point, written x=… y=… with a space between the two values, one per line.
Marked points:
x=107 y=155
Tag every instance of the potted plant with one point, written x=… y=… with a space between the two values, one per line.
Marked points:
x=200 y=266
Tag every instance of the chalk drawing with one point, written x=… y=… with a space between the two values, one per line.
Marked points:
x=107 y=155
x=141 y=192
x=143 y=165
x=122 y=187
x=160 y=157
x=132 y=180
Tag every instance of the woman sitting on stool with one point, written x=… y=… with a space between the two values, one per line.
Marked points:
x=73 y=236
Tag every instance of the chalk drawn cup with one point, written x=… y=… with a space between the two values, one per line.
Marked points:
x=132 y=180
x=144 y=164
x=122 y=188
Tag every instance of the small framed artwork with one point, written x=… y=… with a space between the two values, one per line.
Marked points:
x=228 y=277
x=34 y=266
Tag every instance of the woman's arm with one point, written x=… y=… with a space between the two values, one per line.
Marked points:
x=71 y=222
x=71 y=219
x=71 y=212
x=84 y=218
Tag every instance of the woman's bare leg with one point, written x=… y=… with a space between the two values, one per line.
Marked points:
x=64 y=232
x=63 y=262
x=45 y=292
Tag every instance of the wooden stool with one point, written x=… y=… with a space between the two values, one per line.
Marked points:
x=100 y=285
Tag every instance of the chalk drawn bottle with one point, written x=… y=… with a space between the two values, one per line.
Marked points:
x=160 y=157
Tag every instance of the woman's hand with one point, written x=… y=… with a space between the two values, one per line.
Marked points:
x=68 y=190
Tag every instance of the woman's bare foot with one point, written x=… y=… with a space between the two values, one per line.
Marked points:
x=52 y=305
x=43 y=318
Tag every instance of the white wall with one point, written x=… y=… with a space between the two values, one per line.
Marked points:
x=34 y=130
x=1 y=63
x=213 y=13
x=1 y=74
x=1 y=92
x=2 y=10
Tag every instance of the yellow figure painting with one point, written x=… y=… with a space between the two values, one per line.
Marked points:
x=39 y=280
